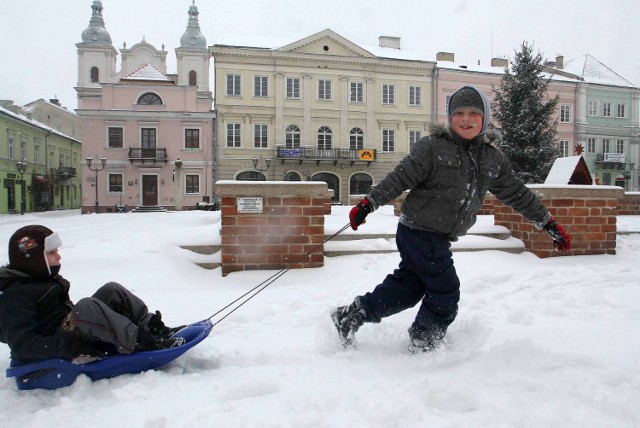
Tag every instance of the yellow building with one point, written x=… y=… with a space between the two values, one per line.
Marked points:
x=321 y=108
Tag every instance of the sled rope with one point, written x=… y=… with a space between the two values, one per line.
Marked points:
x=267 y=282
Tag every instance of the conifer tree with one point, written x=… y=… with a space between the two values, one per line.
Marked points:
x=525 y=118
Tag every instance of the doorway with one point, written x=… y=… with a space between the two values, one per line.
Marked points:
x=150 y=190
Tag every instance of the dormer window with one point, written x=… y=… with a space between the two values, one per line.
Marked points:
x=150 y=99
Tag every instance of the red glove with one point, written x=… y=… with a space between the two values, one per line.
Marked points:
x=359 y=212
x=561 y=240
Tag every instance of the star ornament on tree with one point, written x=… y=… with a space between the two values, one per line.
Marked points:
x=578 y=149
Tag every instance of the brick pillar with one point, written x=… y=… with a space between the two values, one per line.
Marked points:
x=272 y=225
x=587 y=213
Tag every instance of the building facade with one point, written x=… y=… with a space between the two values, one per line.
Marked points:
x=39 y=165
x=607 y=123
x=153 y=130
x=320 y=108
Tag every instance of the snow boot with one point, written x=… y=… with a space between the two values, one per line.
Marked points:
x=158 y=329
x=348 y=320
x=147 y=341
x=424 y=339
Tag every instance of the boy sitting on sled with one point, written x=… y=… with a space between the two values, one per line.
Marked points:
x=39 y=321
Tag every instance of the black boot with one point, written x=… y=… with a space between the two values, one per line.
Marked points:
x=158 y=329
x=424 y=339
x=147 y=341
x=348 y=320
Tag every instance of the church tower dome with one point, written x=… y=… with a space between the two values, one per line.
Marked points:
x=192 y=37
x=96 y=33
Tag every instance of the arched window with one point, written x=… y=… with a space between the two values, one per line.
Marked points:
x=292 y=137
x=95 y=75
x=360 y=184
x=356 y=139
x=292 y=176
x=324 y=138
x=251 y=176
x=193 y=78
x=150 y=99
x=333 y=183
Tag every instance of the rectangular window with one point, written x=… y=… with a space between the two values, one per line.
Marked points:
x=260 y=132
x=606 y=109
x=565 y=113
x=593 y=108
x=414 y=137
x=115 y=135
x=36 y=153
x=148 y=138
x=115 y=183
x=324 y=90
x=446 y=104
x=620 y=146
x=564 y=148
x=388 y=140
x=23 y=150
x=591 y=145
x=191 y=138
x=192 y=184
x=260 y=86
x=356 y=92
x=233 y=85
x=622 y=109
x=293 y=88
x=233 y=135
x=388 y=94
x=606 y=146
x=10 y=148
x=415 y=96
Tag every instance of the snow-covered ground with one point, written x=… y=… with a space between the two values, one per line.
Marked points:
x=537 y=343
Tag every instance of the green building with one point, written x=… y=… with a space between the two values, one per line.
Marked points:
x=40 y=167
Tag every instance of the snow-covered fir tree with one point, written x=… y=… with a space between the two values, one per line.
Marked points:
x=525 y=113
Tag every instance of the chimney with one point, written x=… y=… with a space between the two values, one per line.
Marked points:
x=499 y=62
x=559 y=62
x=389 y=42
x=445 y=56
x=54 y=101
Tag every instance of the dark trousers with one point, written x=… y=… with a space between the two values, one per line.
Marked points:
x=426 y=273
x=113 y=315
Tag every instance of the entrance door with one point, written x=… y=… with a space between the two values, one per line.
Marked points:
x=150 y=190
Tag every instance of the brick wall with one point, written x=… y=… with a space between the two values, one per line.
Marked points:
x=630 y=204
x=288 y=233
x=587 y=213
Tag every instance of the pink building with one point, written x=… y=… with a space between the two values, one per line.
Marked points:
x=154 y=129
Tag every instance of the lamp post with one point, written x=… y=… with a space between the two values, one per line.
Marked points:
x=267 y=163
x=22 y=167
x=96 y=167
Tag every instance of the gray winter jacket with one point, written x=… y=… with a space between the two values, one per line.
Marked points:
x=448 y=179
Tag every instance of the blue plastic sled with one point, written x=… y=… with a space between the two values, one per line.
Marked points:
x=56 y=373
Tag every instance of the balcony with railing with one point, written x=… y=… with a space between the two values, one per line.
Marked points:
x=66 y=172
x=313 y=154
x=143 y=154
x=611 y=160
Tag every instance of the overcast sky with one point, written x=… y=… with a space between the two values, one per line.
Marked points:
x=38 y=37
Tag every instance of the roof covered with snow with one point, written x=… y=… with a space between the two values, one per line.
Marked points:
x=147 y=72
x=593 y=71
x=564 y=171
x=36 y=123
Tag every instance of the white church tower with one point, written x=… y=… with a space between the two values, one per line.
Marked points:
x=96 y=56
x=193 y=57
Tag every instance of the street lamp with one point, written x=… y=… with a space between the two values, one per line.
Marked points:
x=22 y=167
x=267 y=163
x=96 y=168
